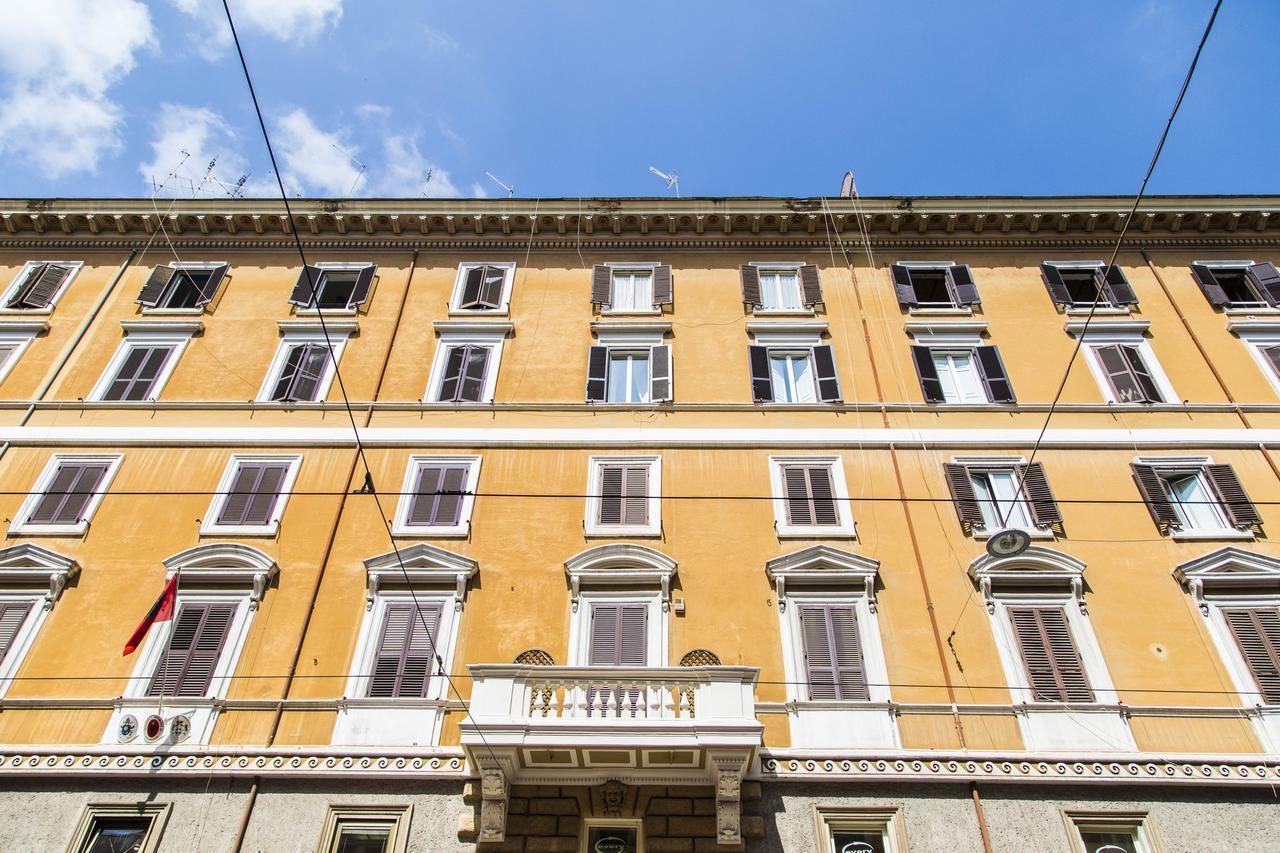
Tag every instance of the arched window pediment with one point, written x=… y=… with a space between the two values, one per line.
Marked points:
x=1037 y=566
x=225 y=564
x=620 y=563
x=28 y=564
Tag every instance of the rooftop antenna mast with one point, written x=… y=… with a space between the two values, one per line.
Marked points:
x=426 y=185
x=672 y=180
x=511 y=190
x=351 y=157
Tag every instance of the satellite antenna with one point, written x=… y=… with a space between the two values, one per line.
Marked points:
x=672 y=180
x=847 y=189
x=511 y=190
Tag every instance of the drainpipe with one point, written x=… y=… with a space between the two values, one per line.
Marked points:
x=252 y=796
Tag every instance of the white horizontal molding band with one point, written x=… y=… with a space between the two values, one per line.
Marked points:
x=631 y=437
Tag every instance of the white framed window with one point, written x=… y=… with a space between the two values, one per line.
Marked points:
x=1262 y=339
x=992 y=493
x=624 y=496
x=618 y=835
x=791 y=375
x=181 y=288
x=66 y=495
x=303 y=368
x=31 y=582
x=1110 y=832
x=141 y=366
x=790 y=364
x=465 y=366
x=860 y=829
x=22 y=612
x=39 y=285
x=366 y=829
x=631 y=290
x=120 y=828
x=630 y=364
x=1123 y=363
x=483 y=287
x=780 y=288
x=1238 y=286
x=833 y=644
x=1077 y=285
x=934 y=286
x=1190 y=497
x=15 y=337
x=437 y=496
x=252 y=495
x=618 y=627
x=810 y=498
x=955 y=367
x=959 y=376
x=340 y=287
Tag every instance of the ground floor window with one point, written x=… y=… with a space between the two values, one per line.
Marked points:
x=120 y=828
x=1110 y=832
x=366 y=829
x=619 y=836
x=860 y=830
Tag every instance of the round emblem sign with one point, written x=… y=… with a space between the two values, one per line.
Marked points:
x=179 y=728
x=153 y=727
x=128 y=727
x=611 y=844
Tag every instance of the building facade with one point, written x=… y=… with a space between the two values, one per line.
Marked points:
x=665 y=528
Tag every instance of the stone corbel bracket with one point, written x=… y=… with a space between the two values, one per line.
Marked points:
x=494 y=792
x=729 y=767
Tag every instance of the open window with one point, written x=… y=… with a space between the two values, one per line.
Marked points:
x=1123 y=362
x=465 y=367
x=630 y=364
x=1238 y=284
x=783 y=288
x=930 y=286
x=1078 y=285
x=305 y=362
x=39 y=285
x=789 y=364
x=483 y=287
x=955 y=367
x=996 y=493
x=182 y=286
x=643 y=288
x=1193 y=498
x=333 y=286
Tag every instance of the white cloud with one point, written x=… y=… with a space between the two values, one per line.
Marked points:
x=61 y=60
x=282 y=20
x=187 y=139
x=316 y=160
x=478 y=191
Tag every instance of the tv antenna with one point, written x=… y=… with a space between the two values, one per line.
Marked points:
x=426 y=178
x=847 y=188
x=351 y=157
x=511 y=190
x=672 y=180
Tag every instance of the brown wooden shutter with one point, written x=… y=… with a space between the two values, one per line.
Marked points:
x=1257 y=634
x=45 y=286
x=597 y=374
x=1117 y=287
x=810 y=497
x=663 y=290
x=1235 y=501
x=611 y=483
x=824 y=364
x=69 y=493
x=1266 y=279
x=360 y=290
x=962 y=285
x=619 y=635
x=927 y=372
x=210 y=287
x=1049 y=655
x=387 y=662
x=154 y=288
x=1057 y=287
x=307 y=287
x=1151 y=487
x=761 y=383
x=12 y=615
x=963 y=496
x=994 y=377
x=199 y=635
x=902 y=286
x=137 y=374
x=833 y=653
x=437 y=495
x=1039 y=497
x=1213 y=291
x=810 y=285
x=750 y=285
x=660 y=374
x=406 y=651
x=635 y=492
x=601 y=285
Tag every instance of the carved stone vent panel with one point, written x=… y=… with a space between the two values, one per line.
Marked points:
x=535 y=657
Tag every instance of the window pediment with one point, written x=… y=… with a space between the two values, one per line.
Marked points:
x=225 y=564
x=1038 y=566
x=620 y=563
x=420 y=564
x=1226 y=570
x=823 y=565
x=31 y=565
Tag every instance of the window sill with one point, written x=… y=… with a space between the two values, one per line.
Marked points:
x=1100 y=311
x=1261 y=310
x=327 y=312
x=623 y=532
x=450 y=531
x=256 y=530
x=1224 y=533
x=916 y=311
x=815 y=532
x=462 y=404
x=171 y=312
x=652 y=312
x=26 y=312
x=783 y=312
x=26 y=529
x=477 y=312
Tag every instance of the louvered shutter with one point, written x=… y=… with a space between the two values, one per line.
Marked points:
x=210 y=287
x=962 y=285
x=810 y=285
x=1039 y=497
x=824 y=365
x=927 y=372
x=1117 y=287
x=199 y=635
x=255 y=489
x=1235 y=501
x=12 y=615
x=23 y=290
x=633 y=637
x=43 y=287
x=750 y=285
x=660 y=374
x=138 y=373
x=902 y=286
x=619 y=635
x=430 y=504
x=1053 y=665
x=761 y=383
x=68 y=494
x=833 y=653
x=1266 y=279
x=963 y=496
x=602 y=285
x=663 y=291
x=154 y=288
x=237 y=499
x=635 y=501
x=611 y=482
x=307 y=286
x=1213 y=291
x=994 y=377
x=360 y=290
x=810 y=498
x=1257 y=635
x=1151 y=487
x=597 y=374
x=406 y=651
x=1057 y=287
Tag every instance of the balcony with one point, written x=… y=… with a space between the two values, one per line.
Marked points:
x=588 y=725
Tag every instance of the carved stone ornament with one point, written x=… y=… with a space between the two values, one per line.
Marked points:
x=493 y=805
x=613 y=794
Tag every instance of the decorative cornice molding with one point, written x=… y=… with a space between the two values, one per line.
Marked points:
x=444 y=763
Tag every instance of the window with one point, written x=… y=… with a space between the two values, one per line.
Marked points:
x=303 y=367
x=962 y=375
x=995 y=494
x=927 y=286
x=465 y=368
x=614 y=835
x=39 y=284
x=437 y=497
x=786 y=374
x=120 y=828
x=790 y=287
x=1079 y=284
x=183 y=286
x=1053 y=667
x=1127 y=375
x=405 y=656
x=1256 y=631
x=338 y=287
x=141 y=366
x=619 y=634
x=860 y=830
x=625 y=496
x=15 y=337
x=832 y=652
x=810 y=498
x=366 y=829
x=1123 y=362
x=1238 y=284
x=464 y=374
x=483 y=287
x=629 y=368
x=1195 y=498
x=251 y=496
x=66 y=495
x=1109 y=832
x=195 y=644
x=15 y=616
x=638 y=289
x=31 y=582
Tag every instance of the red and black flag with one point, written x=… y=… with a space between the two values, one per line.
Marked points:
x=161 y=611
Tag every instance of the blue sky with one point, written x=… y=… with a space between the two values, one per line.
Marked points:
x=99 y=97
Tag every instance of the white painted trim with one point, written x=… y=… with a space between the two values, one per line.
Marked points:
x=23 y=640
x=615 y=333
x=19 y=340
x=1268 y=730
x=334 y=327
x=20 y=523
x=1107 y=328
x=1257 y=335
x=1180 y=463
x=591 y=525
x=209 y=525
x=777 y=333
x=639 y=266
x=657 y=623
x=505 y=300
x=967 y=333
x=339 y=266
x=293 y=337
x=1129 y=337
x=18 y=279
x=401 y=526
x=490 y=335
x=846 y=529
x=196 y=310
x=156 y=334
